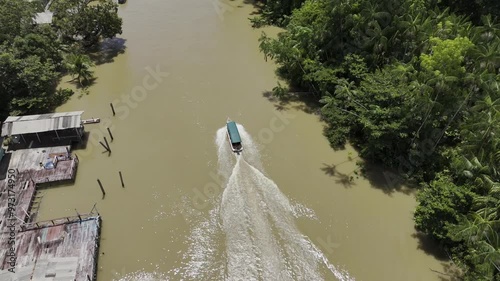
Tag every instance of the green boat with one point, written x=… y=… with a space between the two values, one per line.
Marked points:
x=233 y=136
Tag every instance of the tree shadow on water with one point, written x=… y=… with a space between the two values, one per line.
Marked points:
x=84 y=85
x=385 y=179
x=107 y=50
x=449 y=271
x=341 y=178
x=303 y=101
x=429 y=246
x=258 y=5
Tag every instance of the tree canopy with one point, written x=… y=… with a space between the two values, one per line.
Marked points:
x=34 y=57
x=415 y=86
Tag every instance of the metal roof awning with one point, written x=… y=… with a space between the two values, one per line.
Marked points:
x=30 y=124
x=44 y=18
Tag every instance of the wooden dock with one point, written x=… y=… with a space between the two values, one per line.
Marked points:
x=23 y=190
x=61 y=249
x=46 y=164
x=58 y=249
x=91 y=121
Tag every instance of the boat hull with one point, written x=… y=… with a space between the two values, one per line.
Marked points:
x=91 y=121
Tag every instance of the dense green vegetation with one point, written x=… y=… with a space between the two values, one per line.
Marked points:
x=34 y=57
x=415 y=85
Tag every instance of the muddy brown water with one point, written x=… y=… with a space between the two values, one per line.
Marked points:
x=187 y=66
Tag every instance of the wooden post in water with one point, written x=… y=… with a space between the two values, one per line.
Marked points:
x=80 y=218
x=107 y=144
x=112 y=108
x=92 y=211
x=102 y=189
x=103 y=145
x=121 y=178
x=110 y=134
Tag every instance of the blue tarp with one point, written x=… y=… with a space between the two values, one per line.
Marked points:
x=49 y=165
x=233 y=132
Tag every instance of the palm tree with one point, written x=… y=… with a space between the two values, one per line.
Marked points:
x=482 y=131
x=490 y=30
x=331 y=102
x=487 y=56
x=476 y=227
x=376 y=39
x=79 y=65
x=489 y=82
x=487 y=105
x=480 y=232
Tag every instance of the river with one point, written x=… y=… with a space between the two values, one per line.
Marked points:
x=285 y=209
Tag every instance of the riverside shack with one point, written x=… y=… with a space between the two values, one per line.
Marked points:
x=47 y=129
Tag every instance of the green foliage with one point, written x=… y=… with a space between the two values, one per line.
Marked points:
x=474 y=8
x=275 y=12
x=447 y=56
x=86 y=22
x=416 y=88
x=15 y=19
x=376 y=113
x=42 y=43
x=280 y=91
x=79 y=65
x=441 y=203
x=479 y=233
x=31 y=56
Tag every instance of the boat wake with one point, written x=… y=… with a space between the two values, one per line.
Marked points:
x=250 y=233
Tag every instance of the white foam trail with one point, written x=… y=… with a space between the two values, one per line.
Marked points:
x=202 y=255
x=141 y=276
x=226 y=160
x=250 y=149
x=250 y=232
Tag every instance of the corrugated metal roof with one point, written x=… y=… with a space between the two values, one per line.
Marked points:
x=44 y=18
x=233 y=132
x=28 y=124
x=45 y=269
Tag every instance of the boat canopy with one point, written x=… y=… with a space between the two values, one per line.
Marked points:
x=233 y=132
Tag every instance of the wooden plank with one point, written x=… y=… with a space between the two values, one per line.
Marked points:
x=22 y=191
x=32 y=161
x=59 y=245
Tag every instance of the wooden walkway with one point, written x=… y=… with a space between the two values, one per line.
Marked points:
x=61 y=249
x=58 y=249
x=45 y=165
x=22 y=190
